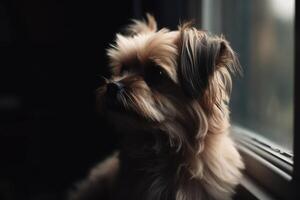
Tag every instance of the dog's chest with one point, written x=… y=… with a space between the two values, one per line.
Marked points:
x=147 y=179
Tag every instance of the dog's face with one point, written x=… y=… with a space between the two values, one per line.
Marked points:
x=177 y=82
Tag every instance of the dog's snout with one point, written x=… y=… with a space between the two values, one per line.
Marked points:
x=114 y=88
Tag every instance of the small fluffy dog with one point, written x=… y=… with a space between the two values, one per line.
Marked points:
x=168 y=98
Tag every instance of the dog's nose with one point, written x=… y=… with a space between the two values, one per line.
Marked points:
x=114 y=88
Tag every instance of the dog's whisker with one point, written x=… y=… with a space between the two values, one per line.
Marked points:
x=128 y=97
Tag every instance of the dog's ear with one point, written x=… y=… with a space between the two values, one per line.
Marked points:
x=143 y=26
x=200 y=56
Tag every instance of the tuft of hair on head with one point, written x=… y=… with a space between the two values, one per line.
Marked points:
x=185 y=25
x=142 y=26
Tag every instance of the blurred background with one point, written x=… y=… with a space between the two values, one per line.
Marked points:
x=53 y=51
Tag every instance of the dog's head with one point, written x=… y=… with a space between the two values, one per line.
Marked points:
x=177 y=82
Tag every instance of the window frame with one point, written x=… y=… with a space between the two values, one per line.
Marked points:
x=269 y=171
x=296 y=172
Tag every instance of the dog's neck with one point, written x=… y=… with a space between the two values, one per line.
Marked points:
x=146 y=145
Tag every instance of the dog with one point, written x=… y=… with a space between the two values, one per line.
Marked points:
x=168 y=99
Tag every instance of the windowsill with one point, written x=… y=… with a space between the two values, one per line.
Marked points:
x=250 y=190
x=268 y=172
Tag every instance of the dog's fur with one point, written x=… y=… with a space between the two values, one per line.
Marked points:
x=173 y=116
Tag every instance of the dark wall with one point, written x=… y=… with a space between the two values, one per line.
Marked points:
x=51 y=54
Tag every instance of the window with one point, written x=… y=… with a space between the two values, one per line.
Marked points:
x=262 y=34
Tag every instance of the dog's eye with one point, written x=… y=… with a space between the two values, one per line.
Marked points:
x=155 y=75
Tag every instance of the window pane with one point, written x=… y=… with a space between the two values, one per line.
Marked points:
x=262 y=34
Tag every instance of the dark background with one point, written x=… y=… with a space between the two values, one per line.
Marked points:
x=50 y=57
x=51 y=54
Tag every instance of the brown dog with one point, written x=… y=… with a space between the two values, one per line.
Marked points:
x=168 y=97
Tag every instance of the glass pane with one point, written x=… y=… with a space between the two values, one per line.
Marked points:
x=262 y=34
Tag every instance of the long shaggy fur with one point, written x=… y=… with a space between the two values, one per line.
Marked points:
x=173 y=117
